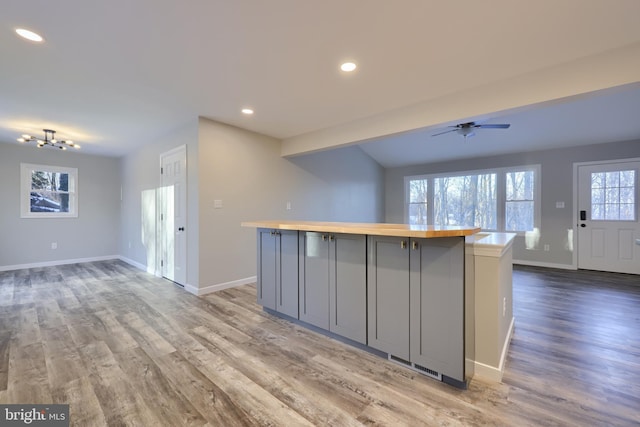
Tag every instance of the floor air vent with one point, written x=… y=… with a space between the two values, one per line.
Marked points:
x=429 y=372
x=418 y=368
x=398 y=360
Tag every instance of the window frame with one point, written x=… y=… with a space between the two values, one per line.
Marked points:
x=501 y=193
x=26 y=170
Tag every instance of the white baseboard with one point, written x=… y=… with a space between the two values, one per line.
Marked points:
x=57 y=262
x=214 y=288
x=505 y=347
x=494 y=373
x=544 y=264
x=487 y=372
x=136 y=264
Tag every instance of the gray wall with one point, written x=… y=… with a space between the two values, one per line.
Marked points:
x=93 y=234
x=556 y=185
x=140 y=182
x=246 y=172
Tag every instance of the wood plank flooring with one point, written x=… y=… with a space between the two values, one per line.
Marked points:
x=124 y=348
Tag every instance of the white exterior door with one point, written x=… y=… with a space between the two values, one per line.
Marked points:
x=608 y=223
x=173 y=215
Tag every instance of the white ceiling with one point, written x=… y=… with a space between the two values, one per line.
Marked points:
x=113 y=75
x=602 y=117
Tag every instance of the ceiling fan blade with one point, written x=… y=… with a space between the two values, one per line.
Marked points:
x=446 y=131
x=496 y=126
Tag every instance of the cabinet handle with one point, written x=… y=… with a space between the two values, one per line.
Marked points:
x=414 y=245
x=331 y=237
x=403 y=244
x=324 y=237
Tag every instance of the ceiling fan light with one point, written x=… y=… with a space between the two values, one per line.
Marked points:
x=25 y=136
x=21 y=140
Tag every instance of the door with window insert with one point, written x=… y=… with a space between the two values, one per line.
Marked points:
x=608 y=224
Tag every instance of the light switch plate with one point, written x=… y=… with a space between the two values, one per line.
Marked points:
x=560 y=205
x=217 y=204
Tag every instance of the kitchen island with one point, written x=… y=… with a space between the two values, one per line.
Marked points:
x=396 y=290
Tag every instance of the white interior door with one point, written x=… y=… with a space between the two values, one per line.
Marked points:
x=173 y=215
x=608 y=223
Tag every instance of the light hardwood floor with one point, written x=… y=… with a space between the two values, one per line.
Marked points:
x=126 y=348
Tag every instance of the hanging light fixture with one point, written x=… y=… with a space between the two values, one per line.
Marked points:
x=49 y=139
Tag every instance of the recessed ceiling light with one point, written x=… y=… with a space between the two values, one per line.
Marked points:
x=247 y=111
x=29 y=35
x=348 y=67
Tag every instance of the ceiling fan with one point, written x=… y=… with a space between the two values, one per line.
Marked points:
x=468 y=129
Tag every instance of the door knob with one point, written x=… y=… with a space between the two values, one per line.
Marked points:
x=180 y=228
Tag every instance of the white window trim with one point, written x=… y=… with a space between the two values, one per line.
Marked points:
x=501 y=192
x=25 y=191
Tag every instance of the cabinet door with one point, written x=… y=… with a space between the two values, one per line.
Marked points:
x=388 y=295
x=348 y=286
x=266 y=283
x=287 y=273
x=314 y=278
x=437 y=305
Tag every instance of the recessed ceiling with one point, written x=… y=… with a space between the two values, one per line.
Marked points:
x=114 y=75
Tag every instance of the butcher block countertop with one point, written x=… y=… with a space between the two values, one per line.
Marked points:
x=374 y=229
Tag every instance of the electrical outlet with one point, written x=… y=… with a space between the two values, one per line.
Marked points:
x=504 y=306
x=54 y=245
x=546 y=248
x=129 y=244
x=288 y=206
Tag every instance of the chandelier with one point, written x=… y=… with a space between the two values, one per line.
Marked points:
x=49 y=139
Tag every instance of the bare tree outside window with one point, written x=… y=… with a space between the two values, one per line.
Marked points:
x=471 y=199
x=612 y=196
x=418 y=201
x=48 y=191
x=519 y=204
x=466 y=201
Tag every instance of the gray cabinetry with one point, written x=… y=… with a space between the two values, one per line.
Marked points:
x=388 y=295
x=416 y=301
x=348 y=286
x=277 y=284
x=314 y=278
x=437 y=305
x=333 y=283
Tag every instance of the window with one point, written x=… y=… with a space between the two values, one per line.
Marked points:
x=612 y=196
x=418 y=201
x=465 y=200
x=520 y=200
x=503 y=199
x=48 y=191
